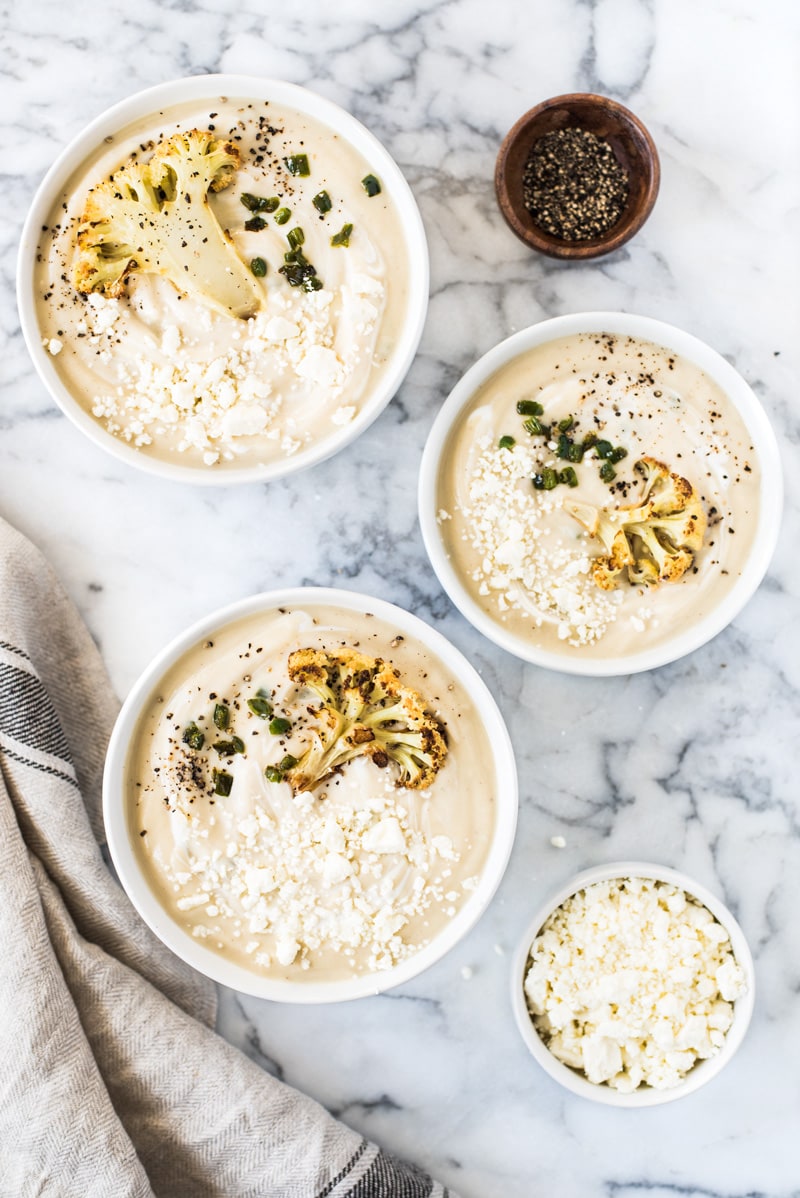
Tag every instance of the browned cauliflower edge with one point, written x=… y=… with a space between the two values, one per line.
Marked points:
x=363 y=710
x=654 y=540
x=154 y=217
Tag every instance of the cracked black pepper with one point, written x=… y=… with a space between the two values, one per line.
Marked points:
x=573 y=186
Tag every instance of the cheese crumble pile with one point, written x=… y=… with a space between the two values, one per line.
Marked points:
x=337 y=873
x=525 y=563
x=632 y=981
x=216 y=401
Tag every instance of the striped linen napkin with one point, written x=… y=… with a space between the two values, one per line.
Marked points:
x=113 y=1083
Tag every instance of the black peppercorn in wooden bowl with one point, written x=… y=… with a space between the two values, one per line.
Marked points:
x=577 y=176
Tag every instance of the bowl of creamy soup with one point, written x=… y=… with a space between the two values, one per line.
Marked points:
x=223 y=279
x=310 y=796
x=601 y=493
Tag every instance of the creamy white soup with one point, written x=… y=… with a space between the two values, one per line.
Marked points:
x=173 y=376
x=563 y=428
x=349 y=876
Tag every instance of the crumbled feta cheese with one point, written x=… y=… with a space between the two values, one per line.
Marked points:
x=54 y=346
x=326 y=876
x=344 y=414
x=532 y=570
x=632 y=981
x=211 y=394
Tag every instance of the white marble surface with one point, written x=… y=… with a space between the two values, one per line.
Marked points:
x=691 y=765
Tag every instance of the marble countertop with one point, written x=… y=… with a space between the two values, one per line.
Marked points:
x=435 y=1070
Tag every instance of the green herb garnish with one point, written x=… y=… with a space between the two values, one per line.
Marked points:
x=322 y=202
x=529 y=407
x=282 y=215
x=260 y=705
x=603 y=448
x=607 y=472
x=297 y=164
x=279 y=725
x=371 y=185
x=565 y=424
x=259 y=267
x=273 y=774
x=223 y=782
x=617 y=454
x=222 y=716
x=506 y=443
x=546 y=480
x=299 y=272
x=254 y=203
x=343 y=236
x=568 y=476
x=193 y=736
x=295 y=237
x=535 y=427
x=255 y=224
x=227 y=748
x=288 y=762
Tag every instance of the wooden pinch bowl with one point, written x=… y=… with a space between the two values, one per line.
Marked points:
x=631 y=144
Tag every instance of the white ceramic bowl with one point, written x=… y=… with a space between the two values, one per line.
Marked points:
x=687 y=636
x=500 y=767
x=202 y=89
x=704 y=1070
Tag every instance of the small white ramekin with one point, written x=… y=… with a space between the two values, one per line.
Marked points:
x=202 y=88
x=644 y=1096
x=688 y=636
x=500 y=768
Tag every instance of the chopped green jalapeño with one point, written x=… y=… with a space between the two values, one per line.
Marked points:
x=227 y=748
x=275 y=773
x=322 y=202
x=297 y=164
x=546 y=480
x=343 y=236
x=529 y=407
x=223 y=781
x=371 y=185
x=506 y=443
x=279 y=725
x=193 y=736
x=222 y=716
x=534 y=427
x=259 y=267
x=260 y=705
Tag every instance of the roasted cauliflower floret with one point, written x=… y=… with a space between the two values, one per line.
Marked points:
x=154 y=217
x=364 y=710
x=656 y=539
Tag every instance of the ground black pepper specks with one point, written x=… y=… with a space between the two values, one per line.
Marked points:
x=573 y=186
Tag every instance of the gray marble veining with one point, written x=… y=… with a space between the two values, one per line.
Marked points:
x=692 y=765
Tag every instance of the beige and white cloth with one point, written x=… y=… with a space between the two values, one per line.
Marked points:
x=113 y=1083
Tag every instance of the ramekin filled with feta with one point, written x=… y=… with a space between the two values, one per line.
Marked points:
x=633 y=986
x=223 y=279
x=600 y=493
x=310 y=796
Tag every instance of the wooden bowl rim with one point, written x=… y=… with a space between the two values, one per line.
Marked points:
x=623 y=230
